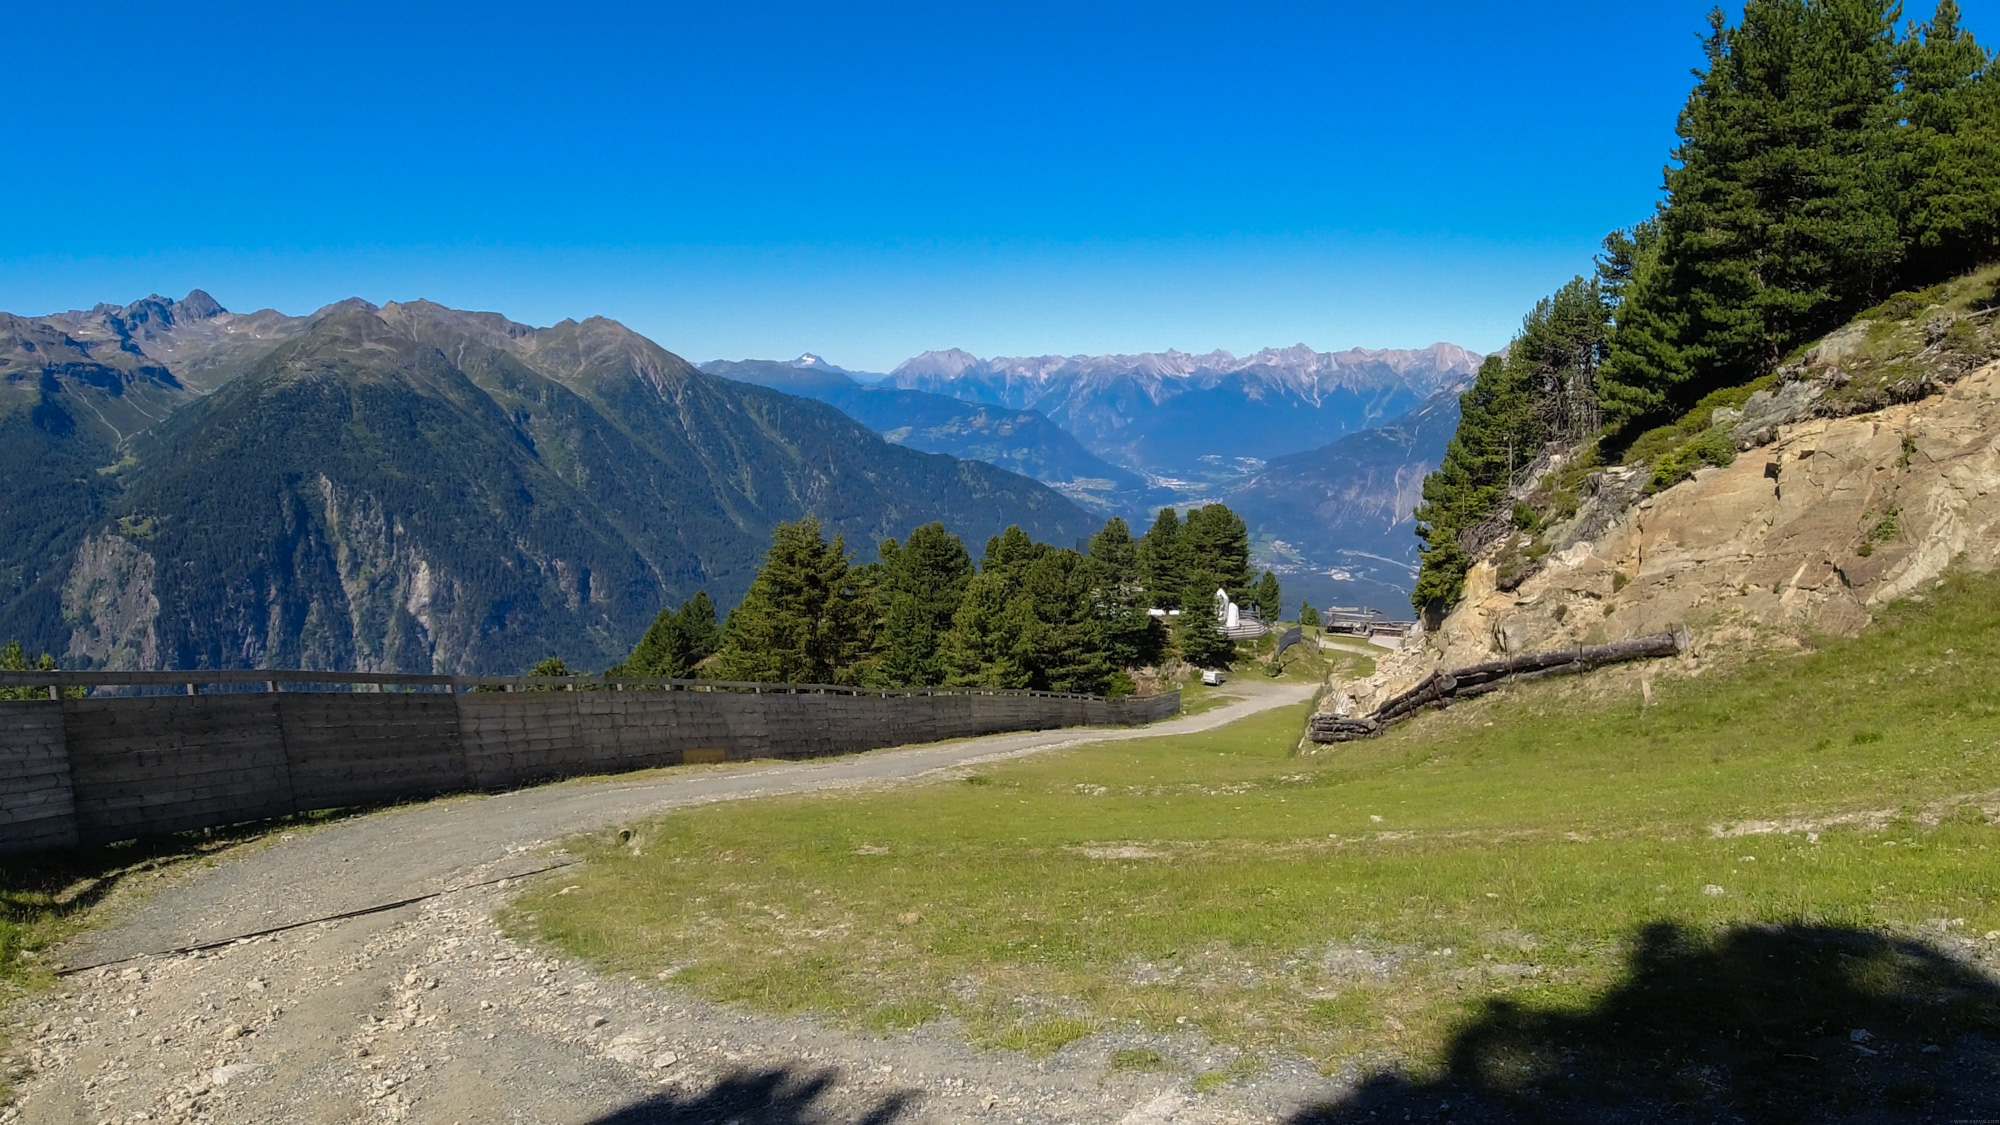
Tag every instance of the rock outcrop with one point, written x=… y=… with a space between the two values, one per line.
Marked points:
x=1814 y=527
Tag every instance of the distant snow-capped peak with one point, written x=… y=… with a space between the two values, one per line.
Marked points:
x=1298 y=364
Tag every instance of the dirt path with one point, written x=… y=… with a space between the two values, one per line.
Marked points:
x=426 y=1013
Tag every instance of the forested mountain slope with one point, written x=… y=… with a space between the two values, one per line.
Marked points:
x=417 y=488
x=1022 y=441
x=1349 y=504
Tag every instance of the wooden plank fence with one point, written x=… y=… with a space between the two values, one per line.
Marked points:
x=90 y=768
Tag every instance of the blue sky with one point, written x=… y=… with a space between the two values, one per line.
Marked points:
x=865 y=181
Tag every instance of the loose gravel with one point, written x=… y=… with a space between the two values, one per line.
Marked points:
x=428 y=1013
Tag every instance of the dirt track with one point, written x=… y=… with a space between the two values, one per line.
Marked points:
x=426 y=1013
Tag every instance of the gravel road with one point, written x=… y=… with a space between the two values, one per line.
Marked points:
x=427 y=1013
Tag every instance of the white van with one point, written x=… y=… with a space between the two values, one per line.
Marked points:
x=1213 y=677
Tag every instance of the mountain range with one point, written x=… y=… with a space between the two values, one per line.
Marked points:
x=1337 y=522
x=1331 y=514
x=1024 y=441
x=1200 y=419
x=412 y=487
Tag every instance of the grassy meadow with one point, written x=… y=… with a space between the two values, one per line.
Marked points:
x=1357 y=905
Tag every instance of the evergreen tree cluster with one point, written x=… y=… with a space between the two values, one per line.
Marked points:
x=676 y=643
x=1027 y=615
x=805 y=617
x=1538 y=391
x=1183 y=562
x=1824 y=161
x=14 y=658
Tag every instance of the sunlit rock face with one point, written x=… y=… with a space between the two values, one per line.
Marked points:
x=1814 y=531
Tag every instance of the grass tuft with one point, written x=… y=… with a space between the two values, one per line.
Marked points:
x=1041 y=1038
x=1141 y=1060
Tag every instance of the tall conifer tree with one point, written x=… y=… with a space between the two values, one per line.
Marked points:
x=918 y=588
x=1269 y=597
x=804 y=619
x=1781 y=215
x=1218 y=546
x=1950 y=148
x=1163 y=561
x=677 y=641
x=1132 y=637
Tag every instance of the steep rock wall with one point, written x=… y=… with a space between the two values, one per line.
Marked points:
x=1811 y=533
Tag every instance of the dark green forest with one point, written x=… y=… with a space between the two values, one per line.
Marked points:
x=1826 y=160
x=925 y=614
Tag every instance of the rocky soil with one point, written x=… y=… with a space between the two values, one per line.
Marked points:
x=429 y=1013
x=1818 y=523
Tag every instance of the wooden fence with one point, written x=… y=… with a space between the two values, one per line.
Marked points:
x=217 y=748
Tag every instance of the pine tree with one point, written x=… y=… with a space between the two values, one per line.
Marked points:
x=1199 y=635
x=1562 y=343
x=918 y=589
x=14 y=658
x=1308 y=616
x=1951 y=149
x=1132 y=637
x=1011 y=550
x=1270 y=601
x=551 y=666
x=1542 y=389
x=804 y=618
x=1218 y=545
x=1112 y=548
x=1644 y=358
x=1062 y=646
x=701 y=637
x=676 y=642
x=1163 y=562
x=985 y=647
x=1497 y=436
x=1781 y=212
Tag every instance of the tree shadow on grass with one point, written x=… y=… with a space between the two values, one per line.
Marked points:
x=778 y=1096
x=1765 y=1023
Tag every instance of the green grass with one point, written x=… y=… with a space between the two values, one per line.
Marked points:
x=1243 y=1066
x=1143 y=1060
x=1356 y=904
x=1040 y=1038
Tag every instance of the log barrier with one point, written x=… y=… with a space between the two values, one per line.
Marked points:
x=1441 y=688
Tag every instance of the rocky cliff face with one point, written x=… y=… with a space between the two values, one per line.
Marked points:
x=1811 y=532
x=1835 y=504
x=111 y=603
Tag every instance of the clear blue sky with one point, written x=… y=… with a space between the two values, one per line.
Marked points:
x=865 y=181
